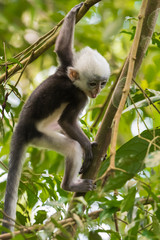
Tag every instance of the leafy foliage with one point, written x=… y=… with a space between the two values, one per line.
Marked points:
x=130 y=158
x=108 y=27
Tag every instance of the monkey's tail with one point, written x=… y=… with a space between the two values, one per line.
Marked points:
x=18 y=148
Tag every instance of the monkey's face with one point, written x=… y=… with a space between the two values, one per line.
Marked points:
x=91 y=84
x=95 y=87
x=93 y=71
x=90 y=87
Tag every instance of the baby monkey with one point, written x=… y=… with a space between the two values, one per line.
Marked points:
x=49 y=118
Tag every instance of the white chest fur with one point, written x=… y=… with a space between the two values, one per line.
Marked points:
x=50 y=124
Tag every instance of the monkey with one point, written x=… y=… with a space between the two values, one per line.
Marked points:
x=49 y=118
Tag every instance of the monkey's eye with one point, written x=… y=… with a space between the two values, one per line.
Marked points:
x=92 y=84
x=103 y=84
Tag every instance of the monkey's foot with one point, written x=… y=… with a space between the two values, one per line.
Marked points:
x=82 y=185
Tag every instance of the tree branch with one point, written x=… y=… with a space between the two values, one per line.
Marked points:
x=125 y=92
x=44 y=43
x=103 y=136
x=104 y=133
x=70 y=221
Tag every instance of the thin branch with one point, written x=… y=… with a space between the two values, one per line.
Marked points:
x=7 y=94
x=126 y=89
x=5 y=58
x=138 y=111
x=104 y=106
x=38 y=43
x=26 y=64
x=68 y=221
x=115 y=215
x=3 y=165
x=12 y=222
x=146 y=96
x=46 y=42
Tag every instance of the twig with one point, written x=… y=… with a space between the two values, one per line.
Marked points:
x=68 y=221
x=14 y=223
x=4 y=104
x=5 y=57
x=126 y=89
x=26 y=64
x=115 y=215
x=108 y=173
x=3 y=165
x=7 y=94
x=104 y=106
x=64 y=223
x=122 y=221
x=145 y=95
x=47 y=41
x=34 y=228
x=138 y=111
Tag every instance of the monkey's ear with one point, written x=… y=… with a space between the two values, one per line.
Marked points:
x=72 y=74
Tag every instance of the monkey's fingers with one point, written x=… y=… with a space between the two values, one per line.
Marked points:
x=77 y=7
x=81 y=170
x=84 y=167
x=94 y=144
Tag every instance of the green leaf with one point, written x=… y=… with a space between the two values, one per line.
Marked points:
x=149 y=235
x=32 y=198
x=128 y=201
x=156 y=39
x=2 y=91
x=14 y=60
x=63 y=229
x=2 y=61
x=12 y=117
x=107 y=213
x=132 y=33
x=151 y=193
x=7 y=121
x=156 y=226
x=44 y=195
x=158 y=212
x=81 y=200
x=113 y=235
x=129 y=157
x=21 y=218
x=15 y=90
x=94 y=236
x=86 y=129
x=133 y=231
x=40 y=216
x=19 y=237
x=1 y=129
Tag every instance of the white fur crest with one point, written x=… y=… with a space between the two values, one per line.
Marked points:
x=91 y=62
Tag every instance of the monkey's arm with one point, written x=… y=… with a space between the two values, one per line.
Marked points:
x=64 y=42
x=68 y=122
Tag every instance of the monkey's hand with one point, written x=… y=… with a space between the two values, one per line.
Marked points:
x=87 y=158
x=75 y=8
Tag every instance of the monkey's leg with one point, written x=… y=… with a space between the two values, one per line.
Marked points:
x=73 y=164
x=73 y=152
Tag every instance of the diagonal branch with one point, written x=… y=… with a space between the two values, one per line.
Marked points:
x=125 y=92
x=45 y=42
x=103 y=136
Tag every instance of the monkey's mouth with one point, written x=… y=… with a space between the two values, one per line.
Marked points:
x=92 y=95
